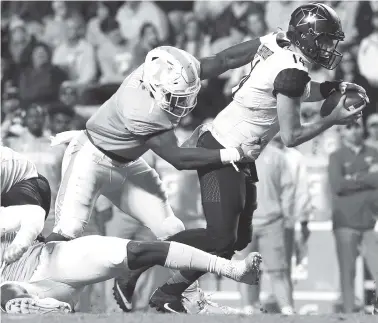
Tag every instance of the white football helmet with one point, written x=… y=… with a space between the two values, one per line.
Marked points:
x=172 y=77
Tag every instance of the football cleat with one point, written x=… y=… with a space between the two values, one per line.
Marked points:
x=166 y=303
x=123 y=294
x=199 y=303
x=30 y=305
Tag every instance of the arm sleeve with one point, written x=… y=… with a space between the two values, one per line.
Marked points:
x=291 y=82
x=230 y=58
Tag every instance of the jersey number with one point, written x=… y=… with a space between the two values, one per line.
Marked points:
x=300 y=60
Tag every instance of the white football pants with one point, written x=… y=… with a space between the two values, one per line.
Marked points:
x=135 y=188
x=66 y=267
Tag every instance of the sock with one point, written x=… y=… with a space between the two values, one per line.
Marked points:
x=184 y=257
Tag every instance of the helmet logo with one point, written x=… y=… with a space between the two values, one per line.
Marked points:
x=310 y=16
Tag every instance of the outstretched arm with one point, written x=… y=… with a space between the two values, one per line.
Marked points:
x=230 y=58
x=165 y=145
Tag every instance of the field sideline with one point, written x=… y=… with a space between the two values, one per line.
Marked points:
x=172 y=318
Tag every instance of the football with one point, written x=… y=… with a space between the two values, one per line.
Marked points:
x=354 y=100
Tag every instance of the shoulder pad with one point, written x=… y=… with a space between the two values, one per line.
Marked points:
x=291 y=82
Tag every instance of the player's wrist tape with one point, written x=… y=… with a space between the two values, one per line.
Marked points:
x=328 y=87
x=230 y=155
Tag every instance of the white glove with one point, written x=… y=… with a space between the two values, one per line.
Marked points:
x=376 y=226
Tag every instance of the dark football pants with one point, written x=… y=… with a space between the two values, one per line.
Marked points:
x=229 y=200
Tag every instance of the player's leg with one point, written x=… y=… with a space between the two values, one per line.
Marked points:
x=82 y=179
x=142 y=197
x=101 y=258
x=223 y=196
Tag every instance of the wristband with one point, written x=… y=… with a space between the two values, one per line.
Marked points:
x=229 y=155
x=328 y=87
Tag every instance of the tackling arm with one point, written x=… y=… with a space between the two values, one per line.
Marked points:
x=230 y=58
x=165 y=145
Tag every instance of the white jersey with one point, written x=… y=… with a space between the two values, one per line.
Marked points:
x=14 y=168
x=253 y=111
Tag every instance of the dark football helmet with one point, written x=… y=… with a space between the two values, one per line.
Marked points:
x=316 y=29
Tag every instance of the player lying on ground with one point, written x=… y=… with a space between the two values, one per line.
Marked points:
x=266 y=101
x=48 y=277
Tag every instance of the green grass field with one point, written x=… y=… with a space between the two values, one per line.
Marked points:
x=172 y=318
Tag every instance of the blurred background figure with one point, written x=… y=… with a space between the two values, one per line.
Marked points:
x=55 y=24
x=75 y=55
x=193 y=39
x=302 y=207
x=148 y=40
x=372 y=130
x=132 y=15
x=276 y=193
x=113 y=54
x=104 y=10
x=353 y=173
x=40 y=82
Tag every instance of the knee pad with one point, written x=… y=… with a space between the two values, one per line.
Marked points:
x=169 y=227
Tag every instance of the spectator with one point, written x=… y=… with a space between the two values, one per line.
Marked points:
x=372 y=129
x=148 y=40
x=55 y=25
x=132 y=15
x=276 y=193
x=114 y=55
x=278 y=13
x=60 y=117
x=20 y=45
x=11 y=114
x=104 y=10
x=192 y=39
x=228 y=23
x=368 y=53
x=40 y=82
x=209 y=11
x=76 y=56
x=302 y=202
x=8 y=78
x=353 y=173
x=35 y=145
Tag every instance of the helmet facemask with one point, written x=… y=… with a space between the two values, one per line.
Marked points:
x=179 y=105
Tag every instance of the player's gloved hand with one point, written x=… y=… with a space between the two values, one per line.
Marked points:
x=346 y=86
x=250 y=151
x=14 y=253
x=341 y=116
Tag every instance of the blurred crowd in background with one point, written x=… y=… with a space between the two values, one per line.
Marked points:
x=61 y=60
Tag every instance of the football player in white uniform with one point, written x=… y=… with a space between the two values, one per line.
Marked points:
x=266 y=101
x=25 y=197
x=44 y=278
